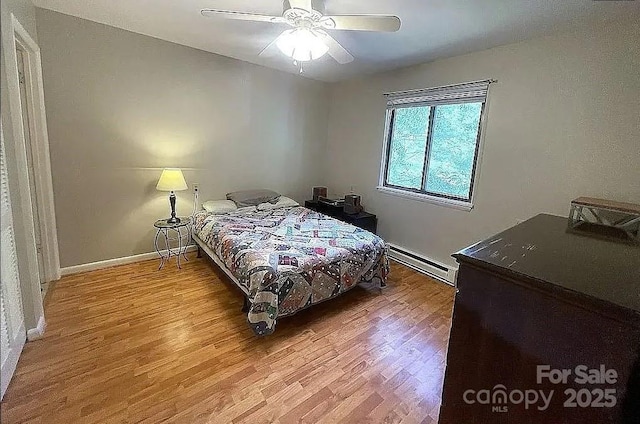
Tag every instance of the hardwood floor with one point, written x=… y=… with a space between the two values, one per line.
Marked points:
x=134 y=344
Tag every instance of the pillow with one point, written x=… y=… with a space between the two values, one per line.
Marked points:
x=252 y=197
x=218 y=207
x=283 y=202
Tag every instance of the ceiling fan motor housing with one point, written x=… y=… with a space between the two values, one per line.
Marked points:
x=317 y=5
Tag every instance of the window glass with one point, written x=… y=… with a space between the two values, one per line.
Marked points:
x=407 y=148
x=452 y=151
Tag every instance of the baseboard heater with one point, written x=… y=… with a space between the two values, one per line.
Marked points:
x=423 y=265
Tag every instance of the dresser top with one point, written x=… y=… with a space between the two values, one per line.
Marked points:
x=545 y=253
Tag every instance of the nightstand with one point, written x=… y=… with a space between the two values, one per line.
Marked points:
x=181 y=233
x=365 y=220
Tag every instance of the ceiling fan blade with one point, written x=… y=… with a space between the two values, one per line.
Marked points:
x=336 y=51
x=383 y=23
x=242 y=16
x=300 y=4
x=272 y=49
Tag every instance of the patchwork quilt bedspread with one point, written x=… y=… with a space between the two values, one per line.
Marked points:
x=288 y=259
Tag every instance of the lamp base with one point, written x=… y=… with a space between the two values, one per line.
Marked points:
x=172 y=201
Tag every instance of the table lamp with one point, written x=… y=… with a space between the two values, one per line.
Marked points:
x=172 y=180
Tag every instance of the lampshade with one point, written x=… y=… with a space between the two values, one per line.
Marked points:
x=171 y=180
x=302 y=44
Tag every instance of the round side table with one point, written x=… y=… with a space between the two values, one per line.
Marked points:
x=182 y=230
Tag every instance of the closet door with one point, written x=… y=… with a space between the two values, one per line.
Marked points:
x=12 y=328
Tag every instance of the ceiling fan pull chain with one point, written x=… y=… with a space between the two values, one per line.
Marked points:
x=297 y=63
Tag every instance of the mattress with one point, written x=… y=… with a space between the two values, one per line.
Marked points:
x=288 y=259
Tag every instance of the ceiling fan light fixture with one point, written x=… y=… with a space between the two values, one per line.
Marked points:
x=302 y=44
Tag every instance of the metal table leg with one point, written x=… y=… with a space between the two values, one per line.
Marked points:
x=179 y=231
x=183 y=249
x=163 y=258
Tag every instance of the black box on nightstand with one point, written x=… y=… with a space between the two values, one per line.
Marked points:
x=365 y=220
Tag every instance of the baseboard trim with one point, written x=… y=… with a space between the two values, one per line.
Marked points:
x=423 y=264
x=38 y=332
x=93 y=266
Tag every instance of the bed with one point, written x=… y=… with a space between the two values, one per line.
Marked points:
x=287 y=259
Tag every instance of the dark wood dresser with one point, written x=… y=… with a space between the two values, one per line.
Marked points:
x=546 y=329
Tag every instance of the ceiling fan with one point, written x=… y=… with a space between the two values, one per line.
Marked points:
x=308 y=39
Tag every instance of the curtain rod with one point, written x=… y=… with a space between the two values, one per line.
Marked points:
x=420 y=90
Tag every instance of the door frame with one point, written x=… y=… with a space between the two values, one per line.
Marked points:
x=39 y=143
x=14 y=34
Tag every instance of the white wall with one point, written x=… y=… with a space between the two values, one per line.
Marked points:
x=563 y=121
x=122 y=106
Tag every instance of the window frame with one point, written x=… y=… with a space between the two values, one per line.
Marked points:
x=422 y=194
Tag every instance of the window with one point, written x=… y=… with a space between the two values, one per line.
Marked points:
x=432 y=142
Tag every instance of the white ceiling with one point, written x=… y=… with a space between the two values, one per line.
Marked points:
x=431 y=29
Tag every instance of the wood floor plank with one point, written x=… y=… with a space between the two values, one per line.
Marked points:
x=132 y=344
